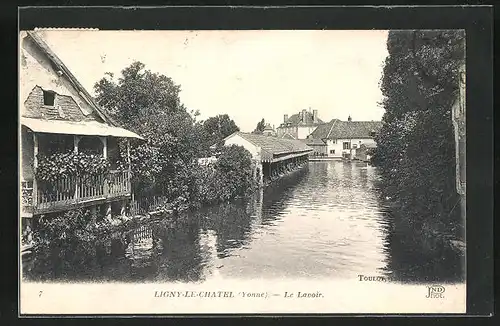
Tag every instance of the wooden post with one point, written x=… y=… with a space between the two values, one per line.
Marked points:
x=129 y=174
x=107 y=208
x=76 y=140
x=459 y=123
x=261 y=174
x=93 y=213
x=128 y=152
x=254 y=174
x=104 y=141
x=35 y=165
x=123 y=208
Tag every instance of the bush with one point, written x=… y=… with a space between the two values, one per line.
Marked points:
x=231 y=176
x=71 y=226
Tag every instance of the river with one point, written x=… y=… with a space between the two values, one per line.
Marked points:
x=325 y=221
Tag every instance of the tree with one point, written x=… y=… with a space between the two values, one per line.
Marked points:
x=415 y=147
x=235 y=164
x=215 y=129
x=148 y=103
x=259 y=129
x=230 y=177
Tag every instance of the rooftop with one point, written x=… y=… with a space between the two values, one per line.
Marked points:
x=273 y=145
x=268 y=127
x=313 y=141
x=38 y=40
x=337 y=129
x=296 y=120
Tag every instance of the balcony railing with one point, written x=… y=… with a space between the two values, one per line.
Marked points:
x=71 y=191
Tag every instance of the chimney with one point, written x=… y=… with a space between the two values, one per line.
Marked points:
x=315 y=116
x=349 y=118
x=304 y=115
x=285 y=118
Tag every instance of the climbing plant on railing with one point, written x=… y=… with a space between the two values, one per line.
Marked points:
x=59 y=165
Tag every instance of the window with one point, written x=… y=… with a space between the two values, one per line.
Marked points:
x=332 y=151
x=48 y=98
x=360 y=141
x=346 y=145
x=354 y=145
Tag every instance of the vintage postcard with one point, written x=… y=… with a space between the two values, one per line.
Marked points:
x=242 y=171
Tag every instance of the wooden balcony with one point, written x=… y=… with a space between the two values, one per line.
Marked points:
x=74 y=192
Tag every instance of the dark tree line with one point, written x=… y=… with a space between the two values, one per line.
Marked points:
x=416 y=146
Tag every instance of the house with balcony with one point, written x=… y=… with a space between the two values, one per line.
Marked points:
x=345 y=139
x=72 y=154
x=300 y=125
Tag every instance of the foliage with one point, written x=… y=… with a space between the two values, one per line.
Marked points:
x=415 y=147
x=235 y=162
x=55 y=166
x=148 y=104
x=67 y=239
x=214 y=130
x=59 y=228
x=231 y=176
x=259 y=129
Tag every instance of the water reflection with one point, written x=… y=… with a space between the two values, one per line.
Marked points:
x=420 y=258
x=325 y=221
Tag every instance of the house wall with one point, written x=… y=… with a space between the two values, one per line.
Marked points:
x=37 y=70
x=303 y=132
x=338 y=147
x=292 y=130
x=299 y=132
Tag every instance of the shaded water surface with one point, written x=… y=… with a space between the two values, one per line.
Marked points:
x=325 y=221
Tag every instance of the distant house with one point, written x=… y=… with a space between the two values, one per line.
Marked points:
x=299 y=125
x=342 y=138
x=268 y=130
x=57 y=115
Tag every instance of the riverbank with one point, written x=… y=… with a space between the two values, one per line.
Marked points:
x=430 y=234
x=323 y=158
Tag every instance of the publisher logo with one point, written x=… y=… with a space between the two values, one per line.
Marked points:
x=435 y=291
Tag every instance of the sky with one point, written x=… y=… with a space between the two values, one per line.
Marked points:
x=249 y=75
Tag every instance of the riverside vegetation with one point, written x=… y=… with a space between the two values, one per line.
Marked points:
x=165 y=164
x=415 y=151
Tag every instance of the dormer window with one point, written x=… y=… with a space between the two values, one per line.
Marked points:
x=49 y=98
